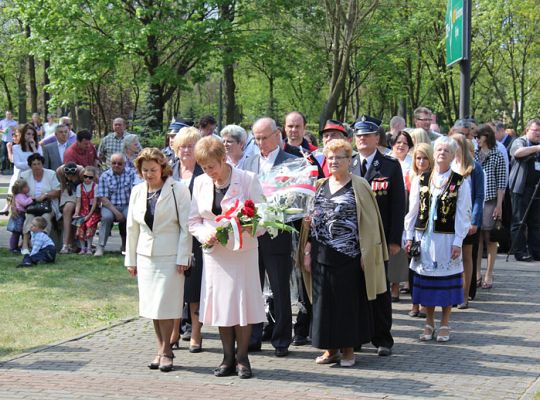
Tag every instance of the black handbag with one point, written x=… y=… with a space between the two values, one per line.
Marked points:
x=498 y=233
x=414 y=251
x=38 y=208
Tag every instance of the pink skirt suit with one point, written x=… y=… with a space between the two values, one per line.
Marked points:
x=231 y=292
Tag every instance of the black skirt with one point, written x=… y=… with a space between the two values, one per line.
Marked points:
x=341 y=313
x=192 y=284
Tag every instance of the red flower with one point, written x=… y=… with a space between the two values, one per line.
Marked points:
x=249 y=209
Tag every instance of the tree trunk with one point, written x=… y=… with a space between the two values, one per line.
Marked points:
x=46 y=81
x=8 y=92
x=21 y=91
x=231 y=109
x=227 y=11
x=154 y=108
x=32 y=78
x=271 y=99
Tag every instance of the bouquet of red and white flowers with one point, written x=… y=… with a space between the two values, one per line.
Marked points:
x=247 y=215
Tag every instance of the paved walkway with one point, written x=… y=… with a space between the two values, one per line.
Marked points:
x=494 y=353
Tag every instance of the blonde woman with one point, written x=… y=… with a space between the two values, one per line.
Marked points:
x=419 y=135
x=422 y=157
x=185 y=170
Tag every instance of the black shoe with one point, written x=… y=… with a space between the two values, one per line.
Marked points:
x=244 y=372
x=224 y=370
x=23 y=265
x=252 y=348
x=383 y=351
x=281 y=352
x=299 y=340
x=358 y=349
x=154 y=365
x=395 y=299
x=167 y=367
x=523 y=257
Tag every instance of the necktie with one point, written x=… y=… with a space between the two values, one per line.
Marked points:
x=363 y=168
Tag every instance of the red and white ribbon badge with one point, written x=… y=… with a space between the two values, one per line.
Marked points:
x=235 y=224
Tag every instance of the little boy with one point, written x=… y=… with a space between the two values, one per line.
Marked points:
x=43 y=250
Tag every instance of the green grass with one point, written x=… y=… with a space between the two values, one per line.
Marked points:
x=51 y=302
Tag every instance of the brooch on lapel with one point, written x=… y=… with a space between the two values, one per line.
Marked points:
x=376 y=163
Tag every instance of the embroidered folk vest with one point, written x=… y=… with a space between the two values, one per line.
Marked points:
x=446 y=204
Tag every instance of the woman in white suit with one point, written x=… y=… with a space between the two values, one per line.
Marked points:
x=231 y=296
x=157 y=218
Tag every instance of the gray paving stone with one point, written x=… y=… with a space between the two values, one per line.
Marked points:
x=494 y=353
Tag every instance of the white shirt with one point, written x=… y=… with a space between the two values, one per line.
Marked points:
x=266 y=163
x=62 y=149
x=437 y=247
x=49 y=129
x=504 y=152
x=368 y=158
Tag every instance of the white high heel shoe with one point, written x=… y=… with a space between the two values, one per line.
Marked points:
x=444 y=338
x=423 y=337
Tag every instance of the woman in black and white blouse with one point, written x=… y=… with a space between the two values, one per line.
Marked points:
x=492 y=162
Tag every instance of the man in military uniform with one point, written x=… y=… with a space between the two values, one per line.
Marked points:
x=386 y=179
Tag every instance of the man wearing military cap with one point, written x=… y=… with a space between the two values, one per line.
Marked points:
x=386 y=179
x=333 y=129
x=174 y=127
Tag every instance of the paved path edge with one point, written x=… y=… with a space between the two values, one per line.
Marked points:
x=72 y=339
x=532 y=390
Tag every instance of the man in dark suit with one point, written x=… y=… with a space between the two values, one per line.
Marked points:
x=54 y=152
x=274 y=254
x=386 y=180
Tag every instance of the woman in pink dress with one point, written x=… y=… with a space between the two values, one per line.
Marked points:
x=231 y=296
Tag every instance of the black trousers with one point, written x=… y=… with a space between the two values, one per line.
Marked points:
x=528 y=239
x=382 y=317
x=278 y=267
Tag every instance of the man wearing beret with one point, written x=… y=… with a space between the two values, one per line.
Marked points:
x=386 y=179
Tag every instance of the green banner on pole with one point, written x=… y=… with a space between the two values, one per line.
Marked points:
x=454 y=32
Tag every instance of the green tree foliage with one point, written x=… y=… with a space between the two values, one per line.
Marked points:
x=150 y=60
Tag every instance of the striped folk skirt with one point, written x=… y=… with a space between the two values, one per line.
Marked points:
x=437 y=290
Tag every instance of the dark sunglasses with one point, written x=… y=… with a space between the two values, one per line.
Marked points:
x=88 y=176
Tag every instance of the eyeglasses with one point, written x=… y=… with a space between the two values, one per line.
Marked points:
x=423 y=119
x=70 y=170
x=88 y=176
x=336 y=158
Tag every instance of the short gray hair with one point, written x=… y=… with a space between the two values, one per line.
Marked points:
x=448 y=142
x=124 y=158
x=235 y=131
x=269 y=120
x=397 y=120
x=130 y=139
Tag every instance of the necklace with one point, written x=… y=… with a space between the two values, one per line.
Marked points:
x=441 y=185
x=152 y=195
x=226 y=183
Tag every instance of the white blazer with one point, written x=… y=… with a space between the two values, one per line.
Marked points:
x=202 y=221
x=169 y=234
